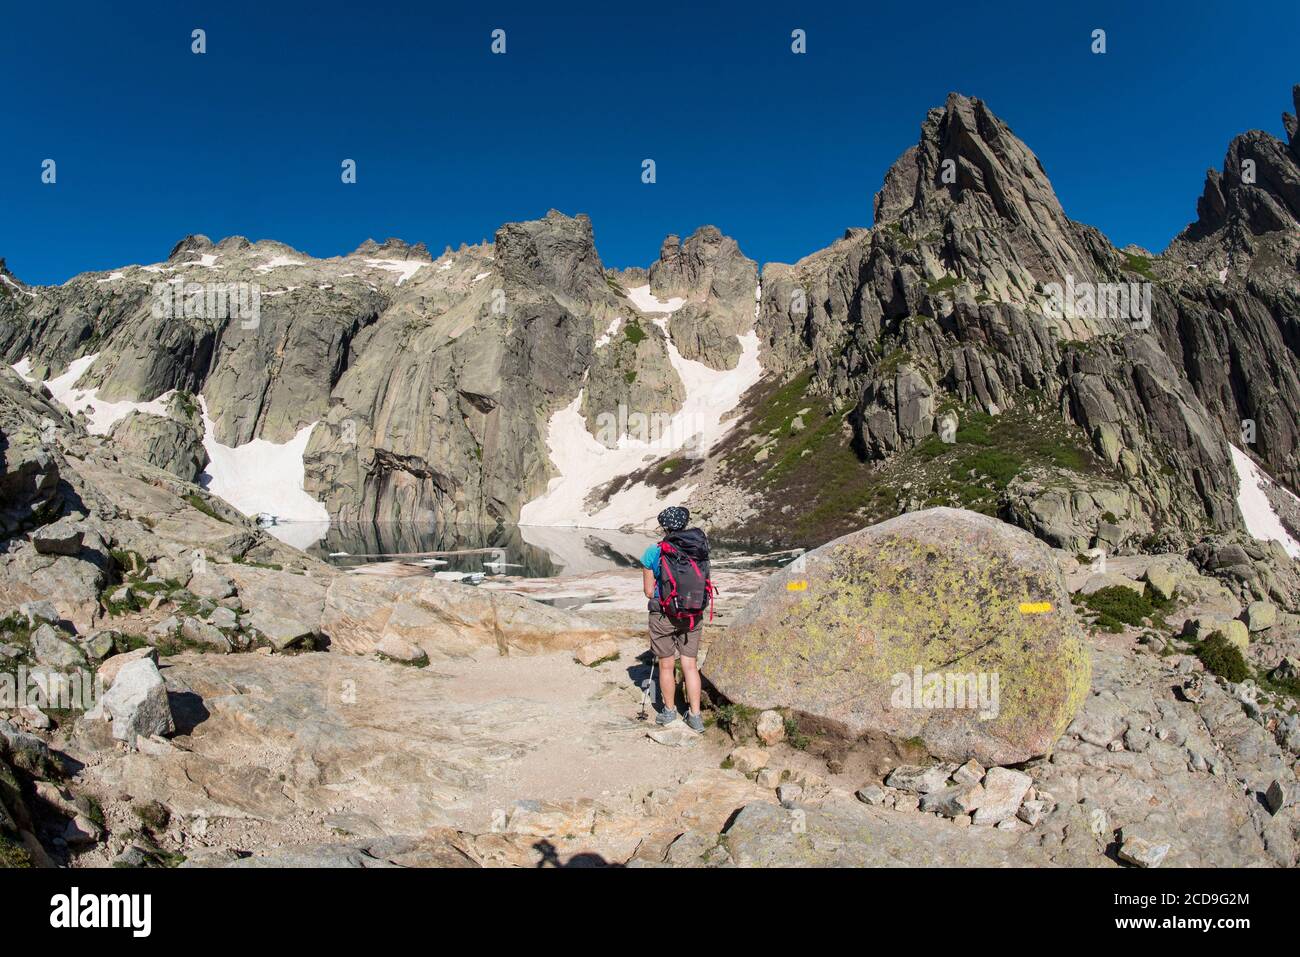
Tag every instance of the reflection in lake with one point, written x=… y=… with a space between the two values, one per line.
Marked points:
x=525 y=551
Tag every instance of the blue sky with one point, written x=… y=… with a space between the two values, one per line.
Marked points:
x=780 y=151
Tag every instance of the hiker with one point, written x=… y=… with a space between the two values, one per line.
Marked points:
x=675 y=578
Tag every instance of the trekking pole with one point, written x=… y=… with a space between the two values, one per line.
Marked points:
x=647 y=690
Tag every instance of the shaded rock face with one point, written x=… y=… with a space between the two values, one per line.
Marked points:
x=173 y=442
x=977 y=606
x=29 y=464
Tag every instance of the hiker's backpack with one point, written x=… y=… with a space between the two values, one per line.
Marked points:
x=684 y=586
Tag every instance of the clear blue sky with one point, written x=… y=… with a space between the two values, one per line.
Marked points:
x=780 y=151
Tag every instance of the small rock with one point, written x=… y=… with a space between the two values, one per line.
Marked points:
x=594 y=652
x=38 y=611
x=51 y=649
x=100 y=644
x=1143 y=853
x=1004 y=789
x=63 y=537
x=788 y=794
x=1031 y=812
x=748 y=760
x=956 y=801
x=224 y=618
x=110 y=668
x=916 y=779
x=972 y=772
x=771 y=728
x=137 y=702
x=82 y=831
x=1275 y=797
x=398 y=649
x=1009 y=824
x=768 y=778
x=1260 y=615
x=209 y=584
x=202 y=633
x=907 y=802
x=872 y=794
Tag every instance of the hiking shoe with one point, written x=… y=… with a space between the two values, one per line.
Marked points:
x=695 y=721
x=667 y=716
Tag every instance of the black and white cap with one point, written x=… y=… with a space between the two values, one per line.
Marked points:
x=674 y=519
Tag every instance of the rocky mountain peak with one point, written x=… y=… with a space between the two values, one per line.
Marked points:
x=969 y=166
x=195 y=244
x=707 y=263
x=557 y=253
x=1257 y=192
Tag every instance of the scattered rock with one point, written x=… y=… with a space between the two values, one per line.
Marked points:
x=108 y=671
x=1031 y=812
x=1275 y=797
x=1004 y=789
x=872 y=795
x=1260 y=615
x=771 y=728
x=768 y=778
x=400 y=650
x=200 y=632
x=63 y=537
x=956 y=801
x=137 y=702
x=594 y=652
x=748 y=760
x=53 y=650
x=972 y=772
x=789 y=794
x=916 y=779
x=1143 y=853
x=210 y=584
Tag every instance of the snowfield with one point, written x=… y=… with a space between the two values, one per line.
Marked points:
x=261 y=476
x=585 y=464
x=405 y=267
x=1261 y=520
x=101 y=415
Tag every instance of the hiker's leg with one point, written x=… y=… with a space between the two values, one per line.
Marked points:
x=692 y=675
x=668 y=683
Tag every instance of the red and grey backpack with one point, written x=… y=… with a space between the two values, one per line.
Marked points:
x=684 y=586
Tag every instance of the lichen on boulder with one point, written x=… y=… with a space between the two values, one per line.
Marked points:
x=943 y=625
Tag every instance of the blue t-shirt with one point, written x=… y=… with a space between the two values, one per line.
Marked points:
x=650 y=560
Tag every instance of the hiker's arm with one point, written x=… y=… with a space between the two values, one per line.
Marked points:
x=648 y=582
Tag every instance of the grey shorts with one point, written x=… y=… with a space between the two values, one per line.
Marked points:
x=669 y=637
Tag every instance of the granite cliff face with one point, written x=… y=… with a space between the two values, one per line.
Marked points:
x=946 y=356
x=945 y=311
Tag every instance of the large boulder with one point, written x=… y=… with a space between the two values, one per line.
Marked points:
x=942 y=625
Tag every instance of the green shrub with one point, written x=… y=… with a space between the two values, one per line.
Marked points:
x=1116 y=604
x=1221 y=657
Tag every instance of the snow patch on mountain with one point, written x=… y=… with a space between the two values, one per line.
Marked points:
x=648 y=302
x=405 y=267
x=585 y=464
x=101 y=414
x=262 y=476
x=1261 y=519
